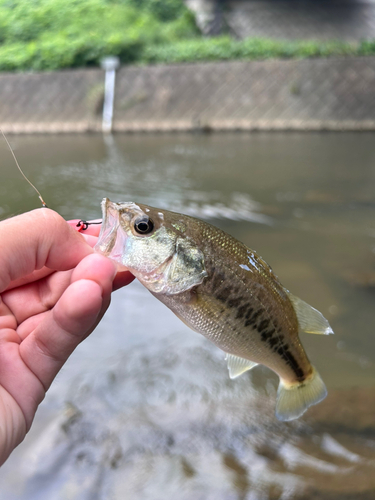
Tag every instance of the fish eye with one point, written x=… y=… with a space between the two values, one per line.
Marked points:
x=143 y=225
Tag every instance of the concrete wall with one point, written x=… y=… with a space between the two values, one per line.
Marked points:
x=288 y=19
x=308 y=94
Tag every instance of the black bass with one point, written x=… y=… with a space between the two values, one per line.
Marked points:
x=221 y=289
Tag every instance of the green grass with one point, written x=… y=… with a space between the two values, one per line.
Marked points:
x=225 y=48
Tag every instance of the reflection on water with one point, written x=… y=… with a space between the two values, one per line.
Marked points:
x=144 y=409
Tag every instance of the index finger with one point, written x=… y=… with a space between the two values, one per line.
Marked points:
x=38 y=239
x=90 y=237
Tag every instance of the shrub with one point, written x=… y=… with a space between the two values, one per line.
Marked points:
x=53 y=34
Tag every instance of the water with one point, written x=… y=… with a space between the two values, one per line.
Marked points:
x=144 y=408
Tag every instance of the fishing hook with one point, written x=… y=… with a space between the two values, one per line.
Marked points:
x=82 y=225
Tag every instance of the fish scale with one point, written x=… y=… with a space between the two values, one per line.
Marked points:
x=238 y=330
x=221 y=289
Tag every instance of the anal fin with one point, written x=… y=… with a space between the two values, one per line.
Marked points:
x=310 y=320
x=237 y=366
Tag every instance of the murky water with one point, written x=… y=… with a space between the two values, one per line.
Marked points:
x=144 y=409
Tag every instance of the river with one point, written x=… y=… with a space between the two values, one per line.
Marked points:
x=144 y=408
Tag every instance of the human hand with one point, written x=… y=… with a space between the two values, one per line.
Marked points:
x=53 y=292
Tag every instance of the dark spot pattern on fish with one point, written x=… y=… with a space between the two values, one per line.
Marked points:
x=217 y=280
x=256 y=314
x=253 y=318
x=223 y=294
x=267 y=335
x=273 y=342
x=235 y=302
x=276 y=342
x=242 y=310
x=249 y=312
x=291 y=361
x=263 y=325
x=270 y=333
x=278 y=346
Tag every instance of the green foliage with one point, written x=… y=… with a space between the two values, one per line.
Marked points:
x=367 y=48
x=164 y=10
x=54 y=34
x=225 y=48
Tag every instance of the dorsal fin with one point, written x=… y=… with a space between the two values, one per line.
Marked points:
x=310 y=320
x=237 y=366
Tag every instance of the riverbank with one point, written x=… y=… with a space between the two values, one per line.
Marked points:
x=312 y=94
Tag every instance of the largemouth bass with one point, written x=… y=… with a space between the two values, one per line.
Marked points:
x=221 y=289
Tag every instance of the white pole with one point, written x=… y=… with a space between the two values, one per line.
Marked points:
x=109 y=97
x=109 y=64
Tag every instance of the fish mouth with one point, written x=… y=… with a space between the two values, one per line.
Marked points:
x=112 y=237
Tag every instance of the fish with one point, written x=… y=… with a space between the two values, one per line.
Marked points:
x=221 y=289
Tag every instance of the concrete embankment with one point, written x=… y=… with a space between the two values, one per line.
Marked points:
x=316 y=94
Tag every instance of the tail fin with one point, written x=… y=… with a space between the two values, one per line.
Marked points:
x=293 y=401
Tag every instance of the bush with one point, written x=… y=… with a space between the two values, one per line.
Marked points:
x=53 y=34
x=164 y=10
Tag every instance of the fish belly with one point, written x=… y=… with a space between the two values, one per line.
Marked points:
x=239 y=324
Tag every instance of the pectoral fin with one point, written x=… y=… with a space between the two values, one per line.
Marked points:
x=310 y=320
x=186 y=269
x=237 y=366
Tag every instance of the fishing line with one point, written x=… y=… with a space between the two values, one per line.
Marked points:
x=19 y=168
x=82 y=225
